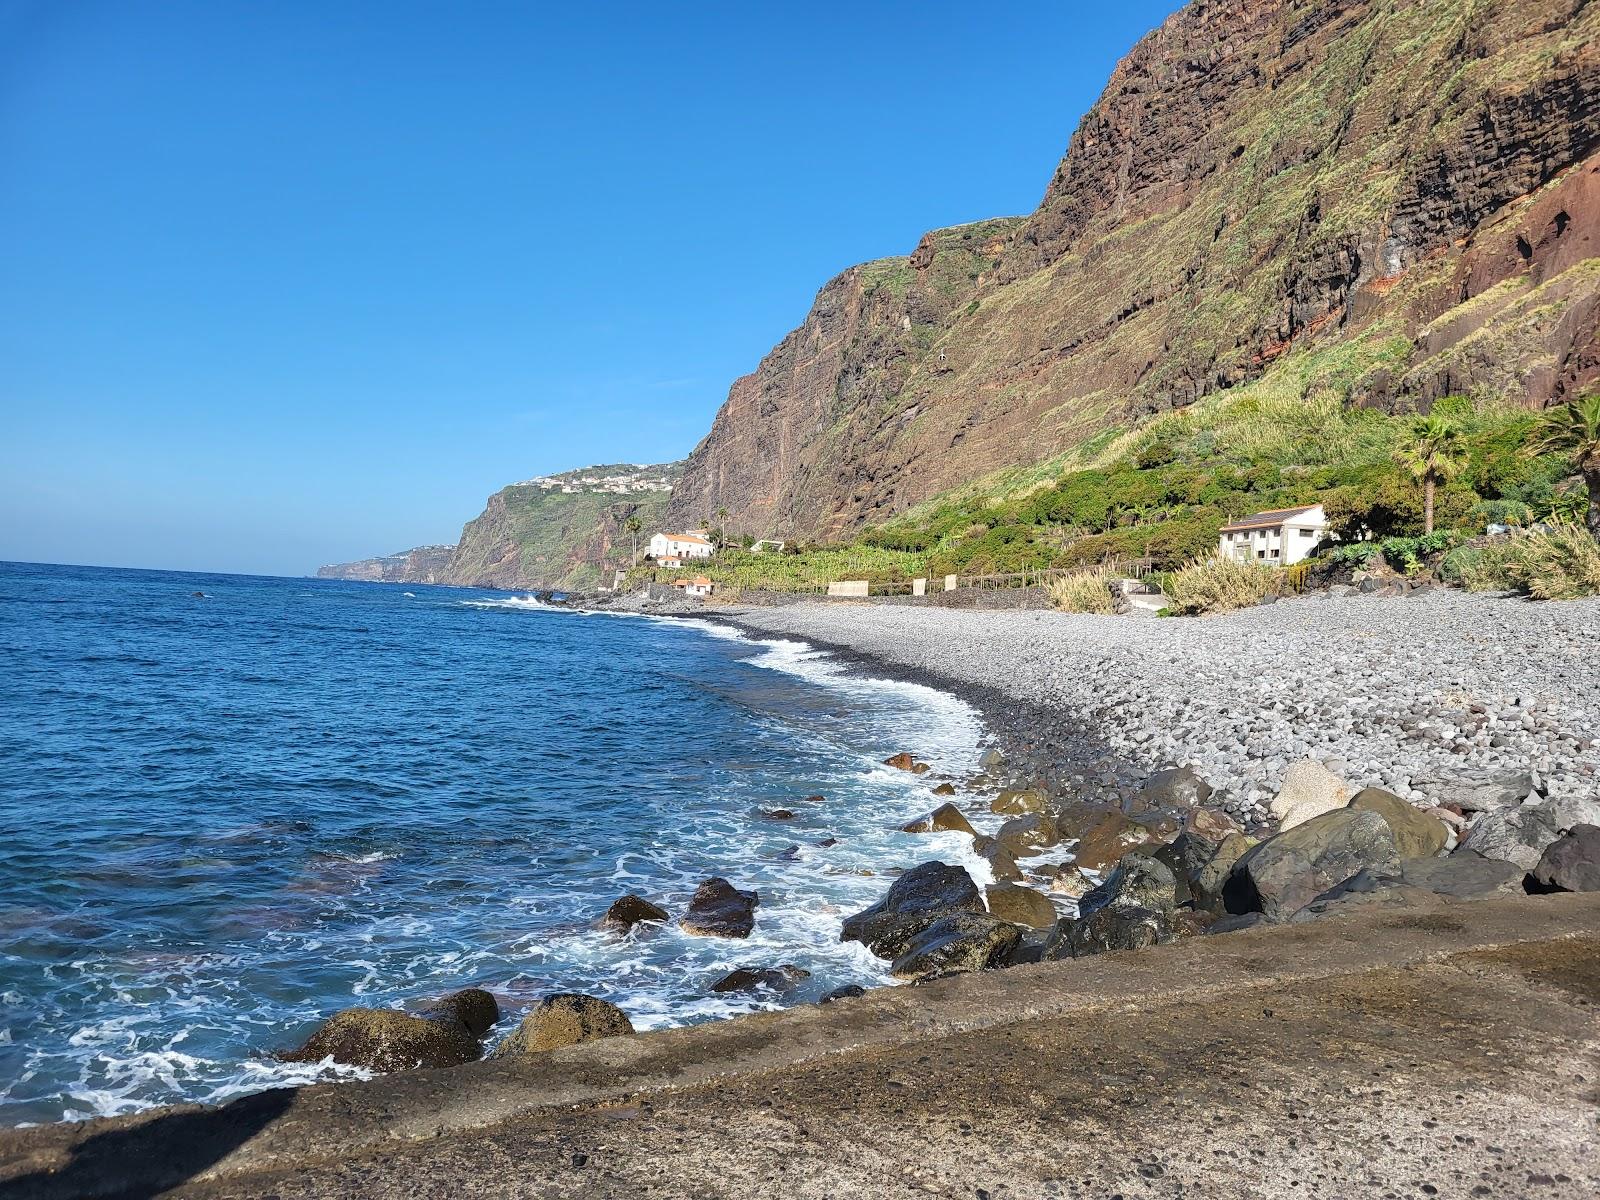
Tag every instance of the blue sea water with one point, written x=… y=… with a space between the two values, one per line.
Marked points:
x=227 y=817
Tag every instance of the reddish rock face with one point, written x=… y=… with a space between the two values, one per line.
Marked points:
x=1258 y=176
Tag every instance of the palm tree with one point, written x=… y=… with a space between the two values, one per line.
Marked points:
x=1574 y=428
x=633 y=525
x=1435 y=453
x=722 y=518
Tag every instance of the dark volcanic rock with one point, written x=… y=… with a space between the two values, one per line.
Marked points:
x=564 y=1019
x=747 y=979
x=628 y=911
x=1115 y=928
x=914 y=901
x=847 y=992
x=957 y=943
x=1028 y=835
x=1571 y=863
x=385 y=1040
x=720 y=910
x=472 y=1007
x=1139 y=881
x=1290 y=870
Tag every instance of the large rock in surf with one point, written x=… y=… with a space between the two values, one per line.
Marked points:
x=957 y=943
x=1001 y=862
x=1286 y=872
x=1028 y=835
x=1416 y=834
x=564 y=1019
x=1571 y=863
x=1112 y=928
x=1021 y=905
x=748 y=979
x=947 y=818
x=914 y=901
x=720 y=910
x=475 y=1008
x=629 y=911
x=387 y=1040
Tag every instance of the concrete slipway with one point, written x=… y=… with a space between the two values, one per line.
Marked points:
x=1437 y=1051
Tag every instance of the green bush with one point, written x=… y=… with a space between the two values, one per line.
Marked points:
x=1562 y=563
x=1212 y=585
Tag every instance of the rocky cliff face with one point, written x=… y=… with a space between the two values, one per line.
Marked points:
x=561 y=531
x=1260 y=176
x=425 y=564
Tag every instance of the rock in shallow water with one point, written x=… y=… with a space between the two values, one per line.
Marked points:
x=747 y=979
x=475 y=1008
x=628 y=911
x=720 y=910
x=387 y=1040
x=947 y=818
x=957 y=943
x=916 y=900
x=564 y=1019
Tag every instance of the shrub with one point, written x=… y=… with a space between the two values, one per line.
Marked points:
x=1210 y=585
x=1086 y=591
x=1562 y=563
x=1460 y=564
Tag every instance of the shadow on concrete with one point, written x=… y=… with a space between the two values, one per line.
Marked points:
x=146 y=1159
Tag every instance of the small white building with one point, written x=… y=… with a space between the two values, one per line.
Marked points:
x=1279 y=537
x=680 y=545
x=698 y=586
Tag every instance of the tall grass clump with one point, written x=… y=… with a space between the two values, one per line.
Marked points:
x=1213 y=585
x=1087 y=591
x=1561 y=563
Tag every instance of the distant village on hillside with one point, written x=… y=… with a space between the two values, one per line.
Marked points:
x=621 y=479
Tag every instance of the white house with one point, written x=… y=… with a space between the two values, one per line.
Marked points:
x=680 y=545
x=698 y=586
x=1279 y=537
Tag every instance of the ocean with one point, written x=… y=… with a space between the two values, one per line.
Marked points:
x=234 y=805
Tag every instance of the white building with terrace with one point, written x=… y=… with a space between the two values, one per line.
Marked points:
x=1279 y=537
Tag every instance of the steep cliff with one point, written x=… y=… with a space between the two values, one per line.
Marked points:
x=425 y=564
x=1259 y=175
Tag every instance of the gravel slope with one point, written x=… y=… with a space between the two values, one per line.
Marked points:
x=1410 y=693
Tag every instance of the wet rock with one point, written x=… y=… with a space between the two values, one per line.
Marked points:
x=1416 y=833
x=944 y=819
x=1571 y=863
x=564 y=1019
x=816 y=799
x=847 y=992
x=748 y=979
x=1029 y=835
x=778 y=814
x=954 y=944
x=474 y=1008
x=1176 y=787
x=1018 y=803
x=1113 y=928
x=1021 y=905
x=720 y=910
x=945 y=789
x=386 y=1040
x=1463 y=876
x=1105 y=841
x=901 y=761
x=915 y=901
x=992 y=760
x=1069 y=881
x=1139 y=881
x=827 y=843
x=1309 y=789
x=629 y=911
x=1001 y=863
x=1288 y=871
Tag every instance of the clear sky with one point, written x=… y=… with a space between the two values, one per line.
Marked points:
x=285 y=283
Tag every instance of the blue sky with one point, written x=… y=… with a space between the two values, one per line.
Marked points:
x=297 y=282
